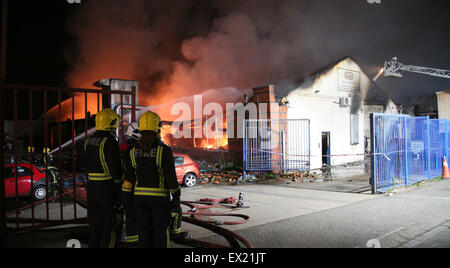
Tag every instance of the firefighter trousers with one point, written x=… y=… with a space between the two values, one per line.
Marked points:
x=175 y=222
x=153 y=221
x=130 y=215
x=105 y=216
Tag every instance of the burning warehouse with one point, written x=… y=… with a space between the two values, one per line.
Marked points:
x=336 y=102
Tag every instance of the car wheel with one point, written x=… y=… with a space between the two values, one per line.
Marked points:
x=190 y=180
x=39 y=193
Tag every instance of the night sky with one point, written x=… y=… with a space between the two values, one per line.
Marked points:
x=44 y=48
x=37 y=41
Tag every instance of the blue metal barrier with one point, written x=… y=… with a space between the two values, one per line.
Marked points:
x=276 y=145
x=406 y=150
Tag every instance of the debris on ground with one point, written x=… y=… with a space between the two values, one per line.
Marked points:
x=225 y=174
x=220 y=177
x=292 y=177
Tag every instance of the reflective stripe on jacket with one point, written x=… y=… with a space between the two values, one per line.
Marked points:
x=127 y=187
x=102 y=158
x=149 y=182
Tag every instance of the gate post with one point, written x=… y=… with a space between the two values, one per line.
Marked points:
x=2 y=117
x=372 y=154
x=446 y=139
x=2 y=181
x=429 y=148
x=406 y=151
x=244 y=147
x=133 y=104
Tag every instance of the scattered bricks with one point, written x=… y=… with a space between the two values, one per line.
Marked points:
x=236 y=173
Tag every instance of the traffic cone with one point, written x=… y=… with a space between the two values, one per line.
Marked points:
x=445 y=170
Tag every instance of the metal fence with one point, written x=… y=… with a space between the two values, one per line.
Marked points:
x=406 y=150
x=276 y=145
x=57 y=173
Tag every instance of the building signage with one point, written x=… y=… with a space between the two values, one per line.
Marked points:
x=349 y=80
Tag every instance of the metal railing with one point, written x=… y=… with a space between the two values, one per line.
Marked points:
x=276 y=145
x=28 y=166
x=406 y=150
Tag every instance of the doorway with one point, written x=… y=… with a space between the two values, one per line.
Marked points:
x=326 y=159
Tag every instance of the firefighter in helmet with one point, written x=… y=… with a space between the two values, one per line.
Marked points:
x=47 y=158
x=150 y=165
x=103 y=166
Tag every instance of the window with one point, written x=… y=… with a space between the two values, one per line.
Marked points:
x=179 y=160
x=23 y=171
x=8 y=172
x=354 y=129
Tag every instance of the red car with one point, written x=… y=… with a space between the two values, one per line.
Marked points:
x=37 y=190
x=187 y=170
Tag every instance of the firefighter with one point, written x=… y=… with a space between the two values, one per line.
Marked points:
x=36 y=157
x=150 y=165
x=30 y=149
x=47 y=158
x=127 y=195
x=105 y=174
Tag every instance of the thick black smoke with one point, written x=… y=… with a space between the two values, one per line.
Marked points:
x=178 y=48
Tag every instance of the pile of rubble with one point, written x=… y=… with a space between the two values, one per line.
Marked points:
x=220 y=177
x=231 y=177
x=225 y=174
x=294 y=177
x=217 y=173
x=301 y=177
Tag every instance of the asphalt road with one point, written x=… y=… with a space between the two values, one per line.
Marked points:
x=284 y=216
x=419 y=217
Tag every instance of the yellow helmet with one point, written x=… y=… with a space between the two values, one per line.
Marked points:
x=107 y=120
x=149 y=122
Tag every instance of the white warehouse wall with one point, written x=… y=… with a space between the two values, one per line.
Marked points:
x=318 y=101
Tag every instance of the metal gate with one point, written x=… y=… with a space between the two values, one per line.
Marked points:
x=276 y=145
x=28 y=166
x=406 y=150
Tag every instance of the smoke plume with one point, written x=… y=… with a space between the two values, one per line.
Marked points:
x=179 y=48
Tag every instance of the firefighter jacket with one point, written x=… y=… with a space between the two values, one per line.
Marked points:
x=153 y=173
x=103 y=157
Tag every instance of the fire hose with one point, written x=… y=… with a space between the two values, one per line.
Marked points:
x=195 y=216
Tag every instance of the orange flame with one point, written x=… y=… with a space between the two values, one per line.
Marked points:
x=79 y=105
